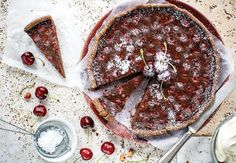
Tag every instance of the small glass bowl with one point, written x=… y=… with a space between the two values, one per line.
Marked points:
x=66 y=148
x=214 y=137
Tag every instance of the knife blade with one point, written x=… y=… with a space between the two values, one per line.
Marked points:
x=220 y=95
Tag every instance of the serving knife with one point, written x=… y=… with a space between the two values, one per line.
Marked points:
x=220 y=95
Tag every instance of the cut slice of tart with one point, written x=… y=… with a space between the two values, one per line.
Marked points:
x=43 y=33
x=114 y=100
x=183 y=54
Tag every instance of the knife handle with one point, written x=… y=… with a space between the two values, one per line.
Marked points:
x=172 y=151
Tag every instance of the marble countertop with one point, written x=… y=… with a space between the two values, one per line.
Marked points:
x=72 y=105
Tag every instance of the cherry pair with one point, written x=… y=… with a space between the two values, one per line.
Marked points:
x=107 y=148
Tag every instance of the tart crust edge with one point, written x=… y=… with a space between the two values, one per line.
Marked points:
x=36 y=22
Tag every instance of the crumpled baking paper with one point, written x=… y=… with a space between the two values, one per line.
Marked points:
x=21 y=13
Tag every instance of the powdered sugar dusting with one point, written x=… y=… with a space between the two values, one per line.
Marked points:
x=119 y=65
x=164 y=76
x=161 y=60
x=155 y=91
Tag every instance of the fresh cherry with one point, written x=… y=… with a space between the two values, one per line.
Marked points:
x=28 y=58
x=40 y=111
x=149 y=70
x=41 y=92
x=86 y=153
x=27 y=96
x=108 y=148
x=86 y=122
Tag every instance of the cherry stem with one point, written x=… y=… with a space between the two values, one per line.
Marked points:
x=40 y=60
x=165 y=45
x=88 y=134
x=54 y=98
x=162 y=91
x=28 y=86
x=100 y=158
x=174 y=68
x=77 y=159
x=142 y=55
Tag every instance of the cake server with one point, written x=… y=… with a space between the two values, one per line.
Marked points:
x=220 y=95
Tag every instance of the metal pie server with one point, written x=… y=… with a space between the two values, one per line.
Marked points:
x=221 y=94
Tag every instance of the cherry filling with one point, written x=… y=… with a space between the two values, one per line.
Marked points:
x=171 y=49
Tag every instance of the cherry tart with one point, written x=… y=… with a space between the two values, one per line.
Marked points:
x=171 y=48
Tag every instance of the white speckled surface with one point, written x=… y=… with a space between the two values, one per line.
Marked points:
x=72 y=105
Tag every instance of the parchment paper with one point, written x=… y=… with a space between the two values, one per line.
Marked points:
x=22 y=12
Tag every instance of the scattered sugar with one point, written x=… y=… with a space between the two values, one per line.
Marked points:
x=186 y=66
x=164 y=76
x=135 y=32
x=155 y=91
x=156 y=25
x=171 y=114
x=117 y=47
x=176 y=28
x=160 y=63
x=130 y=48
x=183 y=38
x=158 y=36
x=138 y=42
x=138 y=58
x=117 y=63
x=171 y=117
x=107 y=50
x=179 y=48
x=149 y=70
x=145 y=29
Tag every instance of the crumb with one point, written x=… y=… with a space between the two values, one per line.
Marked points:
x=122 y=157
x=130 y=152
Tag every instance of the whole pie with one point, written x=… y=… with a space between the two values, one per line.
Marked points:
x=173 y=50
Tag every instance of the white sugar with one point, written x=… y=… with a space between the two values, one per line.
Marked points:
x=49 y=140
x=117 y=63
x=155 y=91
x=164 y=76
x=160 y=63
x=135 y=32
x=161 y=66
x=130 y=48
x=138 y=42
x=149 y=70
x=186 y=66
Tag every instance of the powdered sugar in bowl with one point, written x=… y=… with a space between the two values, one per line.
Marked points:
x=55 y=140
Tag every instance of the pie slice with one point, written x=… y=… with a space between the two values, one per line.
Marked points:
x=171 y=106
x=114 y=100
x=183 y=53
x=43 y=33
